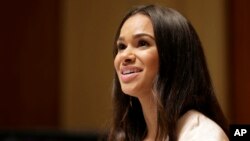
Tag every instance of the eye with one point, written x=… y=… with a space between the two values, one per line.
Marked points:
x=121 y=46
x=143 y=43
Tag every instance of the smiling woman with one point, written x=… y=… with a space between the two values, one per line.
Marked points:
x=136 y=62
x=162 y=88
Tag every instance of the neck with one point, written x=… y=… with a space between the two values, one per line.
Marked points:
x=149 y=109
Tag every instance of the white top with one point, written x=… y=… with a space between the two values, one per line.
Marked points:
x=194 y=126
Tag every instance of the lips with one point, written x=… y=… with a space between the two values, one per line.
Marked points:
x=129 y=70
x=129 y=73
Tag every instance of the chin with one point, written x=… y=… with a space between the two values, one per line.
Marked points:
x=132 y=90
x=129 y=91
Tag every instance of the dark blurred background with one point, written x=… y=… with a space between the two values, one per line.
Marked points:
x=56 y=63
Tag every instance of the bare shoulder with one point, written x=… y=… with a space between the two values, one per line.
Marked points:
x=194 y=126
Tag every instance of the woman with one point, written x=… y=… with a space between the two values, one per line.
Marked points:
x=162 y=88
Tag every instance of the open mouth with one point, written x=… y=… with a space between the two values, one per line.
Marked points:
x=130 y=71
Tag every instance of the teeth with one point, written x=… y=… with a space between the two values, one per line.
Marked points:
x=130 y=71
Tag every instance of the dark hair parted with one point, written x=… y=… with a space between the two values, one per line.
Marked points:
x=182 y=84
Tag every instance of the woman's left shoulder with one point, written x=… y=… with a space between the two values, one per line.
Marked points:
x=195 y=126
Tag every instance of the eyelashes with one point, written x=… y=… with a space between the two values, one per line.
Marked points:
x=121 y=46
x=140 y=43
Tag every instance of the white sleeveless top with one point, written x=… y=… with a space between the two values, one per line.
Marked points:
x=194 y=126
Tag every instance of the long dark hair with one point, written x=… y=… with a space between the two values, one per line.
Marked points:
x=183 y=82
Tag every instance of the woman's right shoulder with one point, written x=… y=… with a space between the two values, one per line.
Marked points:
x=195 y=126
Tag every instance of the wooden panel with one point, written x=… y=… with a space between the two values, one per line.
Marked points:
x=240 y=21
x=29 y=58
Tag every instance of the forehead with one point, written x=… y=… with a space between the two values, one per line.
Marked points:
x=137 y=23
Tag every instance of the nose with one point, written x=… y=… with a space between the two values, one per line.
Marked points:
x=128 y=58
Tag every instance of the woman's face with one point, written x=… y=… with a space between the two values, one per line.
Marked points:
x=137 y=60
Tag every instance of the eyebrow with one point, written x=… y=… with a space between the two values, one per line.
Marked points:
x=137 y=36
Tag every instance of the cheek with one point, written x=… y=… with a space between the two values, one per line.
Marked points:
x=153 y=66
x=156 y=63
x=153 y=62
x=116 y=62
